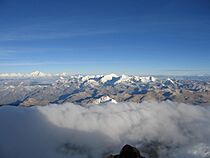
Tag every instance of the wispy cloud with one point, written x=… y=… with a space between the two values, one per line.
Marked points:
x=7 y=55
x=52 y=35
x=44 y=28
x=58 y=63
x=5 y=52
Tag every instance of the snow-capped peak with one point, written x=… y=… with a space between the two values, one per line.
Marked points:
x=20 y=75
x=104 y=99
x=63 y=74
x=38 y=74
x=145 y=79
x=85 y=78
x=124 y=78
x=109 y=77
x=169 y=81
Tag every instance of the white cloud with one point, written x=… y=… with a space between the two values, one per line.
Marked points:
x=70 y=130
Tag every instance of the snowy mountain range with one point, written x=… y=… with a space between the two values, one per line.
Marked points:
x=33 y=74
x=39 y=88
x=159 y=126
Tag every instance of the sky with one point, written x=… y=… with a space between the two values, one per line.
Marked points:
x=164 y=37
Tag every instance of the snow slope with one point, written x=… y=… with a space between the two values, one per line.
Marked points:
x=104 y=99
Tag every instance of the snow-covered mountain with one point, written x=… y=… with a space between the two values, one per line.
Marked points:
x=38 y=88
x=108 y=112
x=39 y=74
x=28 y=75
x=104 y=99
x=109 y=78
x=23 y=75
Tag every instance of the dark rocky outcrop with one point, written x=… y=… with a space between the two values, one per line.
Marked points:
x=127 y=152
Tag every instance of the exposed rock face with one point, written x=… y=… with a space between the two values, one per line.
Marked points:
x=127 y=152
x=83 y=90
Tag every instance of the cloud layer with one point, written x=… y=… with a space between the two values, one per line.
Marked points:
x=59 y=131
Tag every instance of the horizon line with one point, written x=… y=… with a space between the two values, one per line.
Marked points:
x=119 y=74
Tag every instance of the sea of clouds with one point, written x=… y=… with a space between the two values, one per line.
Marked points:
x=167 y=129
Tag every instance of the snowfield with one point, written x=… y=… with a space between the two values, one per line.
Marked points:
x=38 y=88
x=165 y=130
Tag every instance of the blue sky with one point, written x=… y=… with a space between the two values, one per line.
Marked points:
x=102 y=36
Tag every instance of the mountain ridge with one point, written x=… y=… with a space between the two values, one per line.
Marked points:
x=43 y=89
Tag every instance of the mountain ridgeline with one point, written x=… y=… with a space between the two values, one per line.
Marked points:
x=42 y=89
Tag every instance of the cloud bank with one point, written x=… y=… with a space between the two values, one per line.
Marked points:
x=170 y=129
